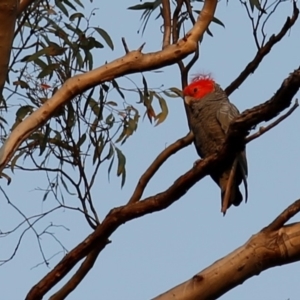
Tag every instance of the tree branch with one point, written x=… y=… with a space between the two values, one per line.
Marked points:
x=125 y=45
x=132 y=62
x=175 y=29
x=263 y=130
x=24 y=4
x=263 y=51
x=286 y=215
x=85 y=267
x=182 y=142
x=157 y=163
x=262 y=251
x=235 y=141
x=166 y=14
x=8 y=17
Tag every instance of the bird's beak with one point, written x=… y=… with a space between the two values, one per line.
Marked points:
x=188 y=100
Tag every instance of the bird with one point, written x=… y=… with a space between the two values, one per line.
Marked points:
x=210 y=114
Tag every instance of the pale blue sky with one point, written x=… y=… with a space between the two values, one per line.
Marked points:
x=152 y=254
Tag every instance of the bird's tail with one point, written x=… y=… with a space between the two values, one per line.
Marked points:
x=235 y=197
x=230 y=189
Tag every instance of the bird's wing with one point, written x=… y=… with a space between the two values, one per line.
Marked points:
x=225 y=115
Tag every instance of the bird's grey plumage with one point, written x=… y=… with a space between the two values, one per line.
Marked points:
x=209 y=120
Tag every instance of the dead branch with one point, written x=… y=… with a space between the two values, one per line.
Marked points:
x=166 y=14
x=235 y=141
x=132 y=62
x=263 y=51
x=125 y=45
x=157 y=163
x=264 y=250
x=263 y=130
x=271 y=108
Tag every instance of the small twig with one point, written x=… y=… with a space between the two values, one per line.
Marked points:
x=260 y=14
x=189 y=10
x=166 y=13
x=156 y=164
x=252 y=66
x=140 y=49
x=287 y=214
x=193 y=60
x=252 y=23
x=263 y=130
x=175 y=33
x=125 y=45
x=268 y=17
x=185 y=69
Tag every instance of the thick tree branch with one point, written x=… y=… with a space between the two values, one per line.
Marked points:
x=262 y=251
x=132 y=62
x=185 y=141
x=271 y=108
x=8 y=17
x=235 y=141
x=263 y=51
x=166 y=13
x=157 y=163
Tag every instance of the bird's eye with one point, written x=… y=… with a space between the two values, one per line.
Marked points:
x=195 y=90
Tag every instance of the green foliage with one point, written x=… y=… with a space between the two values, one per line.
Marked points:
x=94 y=126
x=148 y=8
x=61 y=43
x=105 y=36
x=256 y=4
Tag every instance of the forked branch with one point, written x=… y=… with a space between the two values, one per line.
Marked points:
x=157 y=163
x=264 y=51
x=235 y=141
x=275 y=245
x=263 y=130
x=132 y=62
x=250 y=68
